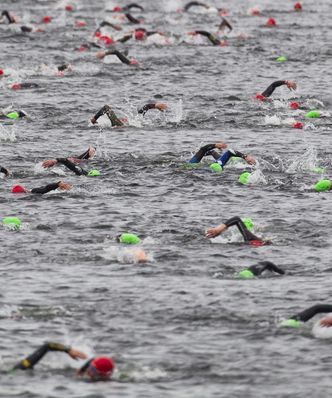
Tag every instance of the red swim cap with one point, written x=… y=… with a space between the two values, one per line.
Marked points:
x=298 y=6
x=133 y=62
x=255 y=11
x=298 y=125
x=18 y=189
x=47 y=19
x=271 y=22
x=1 y=72
x=139 y=35
x=257 y=243
x=16 y=86
x=80 y=24
x=117 y=9
x=294 y=105
x=98 y=33
x=260 y=97
x=102 y=366
x=69 y=8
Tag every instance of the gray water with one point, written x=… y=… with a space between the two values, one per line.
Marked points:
x=181 y=325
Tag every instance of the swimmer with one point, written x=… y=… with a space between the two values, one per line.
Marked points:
x=138 y=254
x=115 y=121
x=88 y=154
x=223 y=25
x=309 y=313
x=122 y=57
x=213 y=39
x=64 y=67
x=10 y=18
x=268 y=92
x=259 y=269
x=248 y=236
x=13 y=115
x=195 y=4
x=127 y=8
x=139 y=34
x=221 y=159
x=20 y=86
x=63 y=186
x=4 y=171
x=95 y=369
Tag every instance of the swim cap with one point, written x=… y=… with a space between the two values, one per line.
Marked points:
x=291 y=323
x=246 y=274
x=69 y=7
x=80 y=24
x=298 y=125
x=313 y=114
x=16 y=86
x=323 y=185
x=131 y=239
x=1 y=72
x=271 y=22
x=298 y=6
x=101 y=366
x=318 y=170
x=260 y=97
x=93 y=173
x=47 y=19
x=248 y=223
x=13 y=115
x=133 y=61
x=216 y=167
x=244 y=178
x=139 y=34
x=294 y=105
x=282 y=59
x=117 y=9
x=12 y=221
x=18 y=189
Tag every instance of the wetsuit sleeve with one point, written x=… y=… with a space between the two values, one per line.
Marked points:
x=71 y=166
x=4 y=171
x=30 y=361
x=194 y=3
x=110 y=113
x=124 y=39
x=85 y=155
x=213 y=39
x=224 y=158
x=84 y=368
x=121 y=57
x=265 y=265
x=203 y=151
x=106 y=23
x=247 y=235
x=132 y=19
x=152 y=32
x=46 y=188
x=272 y=87
x=133 y=5
x=307 y=314
x=146 y=107
x=224 y=22
x=8 y=16
x=29 y=85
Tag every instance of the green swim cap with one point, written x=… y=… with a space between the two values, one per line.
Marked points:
x=318 y=170
x=282 y=59
x=244 y=178
x=131 y=239
x=291 y=323
x=313 y=114
x=248 y=223
x=93 y=173
x=323 y=185
x=12 y=221
x=216 y=167
x=246 y=274
x=13 y=115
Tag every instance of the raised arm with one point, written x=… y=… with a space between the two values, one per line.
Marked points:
x=289 y=83
x=156 y=105
x=307 y=314
x=52 y=187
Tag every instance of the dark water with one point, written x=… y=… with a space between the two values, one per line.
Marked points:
x=181 y=325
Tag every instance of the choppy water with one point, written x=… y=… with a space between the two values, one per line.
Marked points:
x=181 y=325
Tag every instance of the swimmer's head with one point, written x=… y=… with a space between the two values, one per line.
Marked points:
x=246 y=274
x=298 y=125
x=282 y=59
x=140 y=34
x=248 y=223
x=101 y=368
x=323 y=185
x=2 y=72
x=291 y=323
x=216 y=167
x=244 y=178
x=19 y=189
x=47 y=19
x=271 y=22
x=13 y=115
x=260 y=97
x=313 y=114
x=298 y=6
x=128 y=238
x=12 y=222
x=117 y=9
x=294 y=105
x=93 y=173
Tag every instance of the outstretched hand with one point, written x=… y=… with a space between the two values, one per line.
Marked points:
x=250 y=160
x=326 y=322
x=101 y=54
x=76 y=354
x=64 y=186
x=221 y=145
x=49 y=163
x=291 y=85
x=161 y=106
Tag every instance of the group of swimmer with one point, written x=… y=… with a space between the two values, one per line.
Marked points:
x=102 y=367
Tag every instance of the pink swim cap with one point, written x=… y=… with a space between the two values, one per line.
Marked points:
x=18 y=189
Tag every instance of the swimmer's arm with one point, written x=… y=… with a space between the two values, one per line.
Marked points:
x=71 y=166
x=157 y=105
x=307 y=314
x=249 y=159
x=209 y=35
x=124 y=39
x=134 y=5
x=225 y=23
x=121 y=57
x=30 y=361
x=84 y=368
x=289 y=83
x=268 y=265
x=106 y=23
x=8 y=16
x=51 y=187
x=213 y=232
x=132 y=19
x=194 y=3
x=4 y=171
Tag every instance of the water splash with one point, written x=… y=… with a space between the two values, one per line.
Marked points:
x=305 y=162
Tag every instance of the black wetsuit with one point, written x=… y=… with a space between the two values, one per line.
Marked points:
x=8 y=16
x=262 y=266
x=220 y=158
x=72 y=166
x=4 y=171
x=213 y=39
x=132 y=19
x=20 y=115
x=224 y=23
x=247 y=235
x=194 y=3
x=46 y=188
x=146 y=107
x=107 y=110
x=27 y=85
x=121 y=56
x=272 y=87
x=307 y=314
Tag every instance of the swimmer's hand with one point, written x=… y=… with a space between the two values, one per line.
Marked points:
x=93 y=120
x=49 y=163
x=213 y=232
x=250 y=160
x=326 y=322
x=291 y=85
x=76 y=354
x=64 y=186
x=161 y=106
x=221 y=145
x=101 y=54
